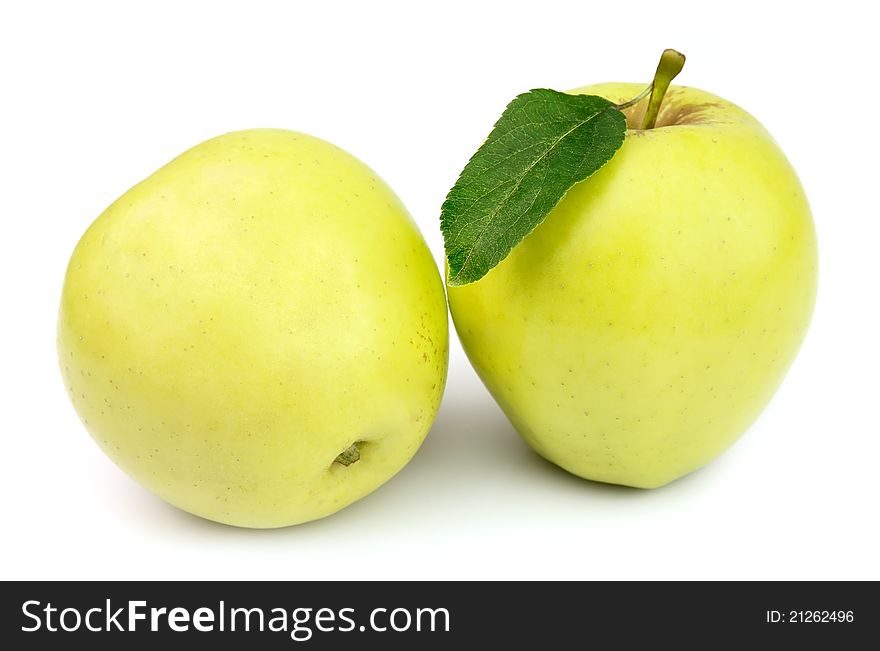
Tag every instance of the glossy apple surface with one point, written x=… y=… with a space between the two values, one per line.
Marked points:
x=644 y=325
x=257 y=332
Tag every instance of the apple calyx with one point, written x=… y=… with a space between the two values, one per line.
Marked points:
x=671 y=63
x=350 y=455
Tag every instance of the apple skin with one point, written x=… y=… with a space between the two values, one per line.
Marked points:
x=237 y=320
x=644 y=325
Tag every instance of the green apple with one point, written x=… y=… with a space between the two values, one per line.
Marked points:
x=257 y=332
x=644 y=325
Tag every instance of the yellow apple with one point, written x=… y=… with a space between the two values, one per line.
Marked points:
x=257 y=332
x=644 y=325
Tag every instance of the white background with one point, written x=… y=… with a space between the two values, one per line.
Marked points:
x=94 y=97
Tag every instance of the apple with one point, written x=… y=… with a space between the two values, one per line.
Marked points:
x=257 y=332
x=644 y=325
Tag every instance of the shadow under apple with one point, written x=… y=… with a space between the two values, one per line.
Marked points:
x=472 y=464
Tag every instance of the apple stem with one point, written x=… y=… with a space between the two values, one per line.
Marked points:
x=671 y=63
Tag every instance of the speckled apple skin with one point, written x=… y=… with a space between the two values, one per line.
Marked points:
x=237 y=320
x=642 y=327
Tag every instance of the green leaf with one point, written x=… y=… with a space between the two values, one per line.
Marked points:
x=543 y=143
